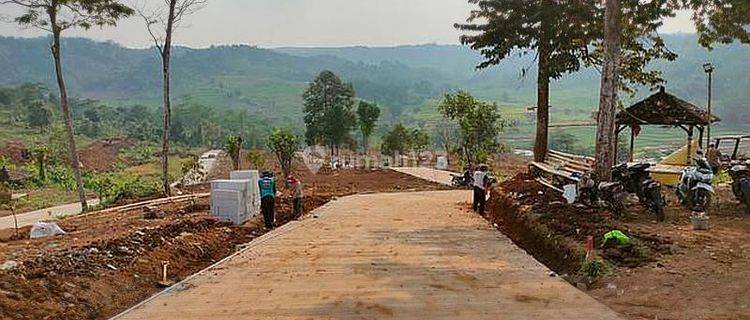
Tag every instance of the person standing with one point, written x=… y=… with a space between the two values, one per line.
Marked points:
x=296 y=186
x=267 y=185
x=481 y=182
x=713 y=155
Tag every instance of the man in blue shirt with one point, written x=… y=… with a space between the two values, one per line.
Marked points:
x=267 y=186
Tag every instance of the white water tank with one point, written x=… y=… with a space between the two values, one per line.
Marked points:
x=253 y=194
x=229 y=200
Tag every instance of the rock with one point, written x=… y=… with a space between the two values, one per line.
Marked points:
x=8 y=265
x=151 y=213
x=552 y=274
x=45 y=229
x=68 y=296
x=611 y=286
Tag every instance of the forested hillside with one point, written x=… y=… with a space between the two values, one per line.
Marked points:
x=269 y=82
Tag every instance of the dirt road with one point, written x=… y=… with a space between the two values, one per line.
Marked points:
x=58 y=212
x=408 y=256
x=429 y=174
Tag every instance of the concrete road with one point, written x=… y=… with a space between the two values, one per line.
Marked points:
x=429 y=174
x=58 y=212
x=381 y=256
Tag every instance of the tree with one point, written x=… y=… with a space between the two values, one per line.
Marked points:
x=38 y=115
x=605 y=127
x=329 y=117
x=479 y=122
x=284 y=145
x=161 y=23
x=367 y=116
x=561 y=33
x=396 y=141
x=419 y=141
x=720 y=21
x=233 y=146
x=56 y=16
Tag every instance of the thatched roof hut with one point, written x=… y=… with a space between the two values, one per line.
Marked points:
x=663 y=108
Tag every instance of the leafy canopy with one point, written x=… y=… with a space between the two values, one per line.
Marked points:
x=328 y=107
x=58 y=15
x=284 y=144
x=567 y=30
x=480 y=125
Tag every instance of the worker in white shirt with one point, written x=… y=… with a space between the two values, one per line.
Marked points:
x=481 y=184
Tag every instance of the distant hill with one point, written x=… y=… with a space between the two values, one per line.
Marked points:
x=405 y=79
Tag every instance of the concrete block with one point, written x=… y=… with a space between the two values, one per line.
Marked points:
x=253 y=200
x=229 y=200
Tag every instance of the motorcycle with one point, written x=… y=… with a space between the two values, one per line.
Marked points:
x=741 y=183
x=636 y=179
x=604 y=194
x=462 y=181
x=695 y=190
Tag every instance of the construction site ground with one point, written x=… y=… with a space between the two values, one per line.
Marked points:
x=109 y=261
x=672 y=272
x=414 y=255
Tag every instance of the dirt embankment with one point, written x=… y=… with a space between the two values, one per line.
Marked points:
x=110 y=261
x=672 y=271
x=102 y=155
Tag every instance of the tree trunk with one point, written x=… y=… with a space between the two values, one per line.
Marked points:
x=167 y=111
x=75 y=163
x=605 y=130
x=542 y=111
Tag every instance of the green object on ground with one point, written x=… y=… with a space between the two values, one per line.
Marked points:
x=617 y=237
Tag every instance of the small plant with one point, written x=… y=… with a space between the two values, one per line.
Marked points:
x=257 y=159
x=593 y=268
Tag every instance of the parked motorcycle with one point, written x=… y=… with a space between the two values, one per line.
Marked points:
x=636 y=179
x=462 y=181
x=694 y=190
x=741 y=183
x=611 y=195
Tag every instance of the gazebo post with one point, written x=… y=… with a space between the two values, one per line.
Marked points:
x=690 y=146
x=631 y=156
x=700 y=139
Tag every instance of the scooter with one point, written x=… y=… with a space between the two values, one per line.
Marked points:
x=636 y=179
x=741 y=183
x=694 y=190
x=462 y=181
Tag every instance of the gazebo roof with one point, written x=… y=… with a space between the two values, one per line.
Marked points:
x=663 y=108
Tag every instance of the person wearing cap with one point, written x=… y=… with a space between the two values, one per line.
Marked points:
x=296 y=186
x=481 y=182
x=267 y=185
x=713 y=155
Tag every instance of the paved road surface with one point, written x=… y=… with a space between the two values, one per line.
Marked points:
x=380 y=256
x=434 y=175
x=58 y=212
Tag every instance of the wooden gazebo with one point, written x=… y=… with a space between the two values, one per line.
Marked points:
x=664 y=109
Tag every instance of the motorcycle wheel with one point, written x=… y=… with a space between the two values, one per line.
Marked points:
x=701 y=200
x=658 y=210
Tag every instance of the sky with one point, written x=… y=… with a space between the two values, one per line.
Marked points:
x=307 y=23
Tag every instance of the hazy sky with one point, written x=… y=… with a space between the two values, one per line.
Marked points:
x=274 y=23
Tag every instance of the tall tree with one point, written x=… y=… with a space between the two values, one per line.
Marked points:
x=161 y=22
x=56 y=16
x=367 y=117
x=561 y=34
x=605 y=128
x=329 y=114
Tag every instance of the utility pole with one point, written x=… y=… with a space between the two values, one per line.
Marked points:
x=709 y=69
